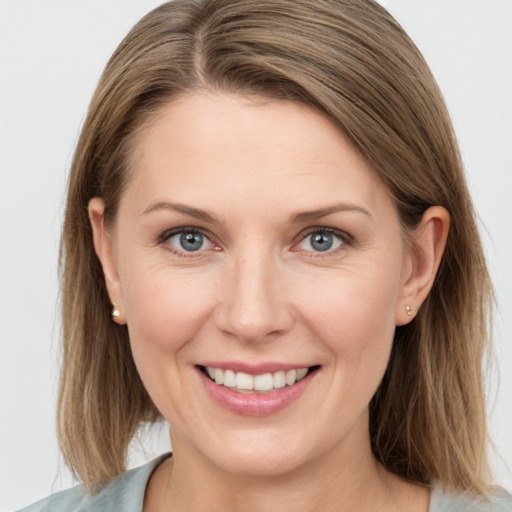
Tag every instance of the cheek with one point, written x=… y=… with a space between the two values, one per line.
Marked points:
x=164 y=310
x=355 y=321
x=358 y=302
x=354 y=318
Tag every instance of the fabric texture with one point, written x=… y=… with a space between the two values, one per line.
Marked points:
x=440 y=501
x=126 y=494
x=123 y=494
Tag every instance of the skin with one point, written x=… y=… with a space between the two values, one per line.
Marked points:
x=258 y=291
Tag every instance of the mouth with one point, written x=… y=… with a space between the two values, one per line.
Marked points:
x=263 y=383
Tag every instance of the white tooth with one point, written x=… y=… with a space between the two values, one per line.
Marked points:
x=279 y=379
x=263 y=382
x=229 y=379
x=219 y=376
x=300 y=373
x=211 y=372
x=291 y=377
x=244 y=381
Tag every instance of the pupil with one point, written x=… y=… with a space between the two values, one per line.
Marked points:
x=321 y=242
x=191 y=241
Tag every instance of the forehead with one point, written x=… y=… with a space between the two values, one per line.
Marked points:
x=224 y=147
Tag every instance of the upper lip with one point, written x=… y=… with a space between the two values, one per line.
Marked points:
x=254 y=369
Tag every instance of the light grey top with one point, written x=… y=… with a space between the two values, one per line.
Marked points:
x=126 y=494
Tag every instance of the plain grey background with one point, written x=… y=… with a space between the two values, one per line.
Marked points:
x=51 y=56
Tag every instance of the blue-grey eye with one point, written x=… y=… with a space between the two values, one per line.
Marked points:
x=321 y=241
x=189 y=241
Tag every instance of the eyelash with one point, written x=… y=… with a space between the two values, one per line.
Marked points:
x=163 y=240
x=345 y=238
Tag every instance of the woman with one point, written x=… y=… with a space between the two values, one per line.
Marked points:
x=269 y=243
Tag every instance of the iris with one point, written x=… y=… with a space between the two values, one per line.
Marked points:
x=321 y=241
x=191 y=241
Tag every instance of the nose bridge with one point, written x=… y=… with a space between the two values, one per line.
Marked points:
x=254 y=305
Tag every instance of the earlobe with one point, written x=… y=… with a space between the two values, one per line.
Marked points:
x=427 y=244
x=104 y=249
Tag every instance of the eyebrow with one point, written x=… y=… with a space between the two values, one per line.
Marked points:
x=329 y=210
x=181 y=208
x=295 y=219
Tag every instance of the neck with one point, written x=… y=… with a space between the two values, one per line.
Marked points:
x=347 y=478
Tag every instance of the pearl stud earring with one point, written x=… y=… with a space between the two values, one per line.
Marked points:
x=409 y=309
x=115 y=312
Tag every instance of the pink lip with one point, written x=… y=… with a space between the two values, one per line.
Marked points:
x=255 y=404
x=253 y=369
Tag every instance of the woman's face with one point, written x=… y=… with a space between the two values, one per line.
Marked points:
x=252 y=241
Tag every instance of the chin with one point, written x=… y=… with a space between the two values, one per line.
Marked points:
x=261 y=454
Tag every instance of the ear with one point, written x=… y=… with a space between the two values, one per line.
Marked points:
x=423 y=257
x=104 y=247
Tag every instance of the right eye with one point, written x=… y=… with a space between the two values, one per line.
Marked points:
x=186 y=240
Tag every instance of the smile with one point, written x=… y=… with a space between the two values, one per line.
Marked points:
x=242 y=382
x=259 y=390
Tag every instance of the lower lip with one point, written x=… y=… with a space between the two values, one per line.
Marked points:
x=256 y=404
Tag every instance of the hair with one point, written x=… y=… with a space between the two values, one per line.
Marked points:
x=351 y=61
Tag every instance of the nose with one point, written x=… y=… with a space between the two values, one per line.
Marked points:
x=254 y=303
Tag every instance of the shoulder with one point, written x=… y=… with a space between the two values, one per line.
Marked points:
x=124 y=493
x=498 y=500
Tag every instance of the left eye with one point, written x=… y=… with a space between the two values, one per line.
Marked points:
x=188 y=241
x=321 y=241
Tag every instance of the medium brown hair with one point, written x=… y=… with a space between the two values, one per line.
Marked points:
x=351 y=61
